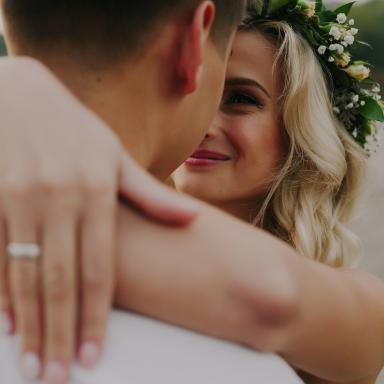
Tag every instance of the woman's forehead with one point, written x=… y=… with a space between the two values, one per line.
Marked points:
x=253 y=57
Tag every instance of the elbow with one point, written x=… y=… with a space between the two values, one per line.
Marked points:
x=270 y=305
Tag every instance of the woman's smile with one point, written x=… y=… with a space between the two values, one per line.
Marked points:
x=206 y=158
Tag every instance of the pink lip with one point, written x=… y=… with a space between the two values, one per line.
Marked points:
x=205 y=158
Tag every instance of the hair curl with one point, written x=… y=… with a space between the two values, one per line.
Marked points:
x=318 y=189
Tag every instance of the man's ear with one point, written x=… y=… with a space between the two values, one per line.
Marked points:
x=190 y=60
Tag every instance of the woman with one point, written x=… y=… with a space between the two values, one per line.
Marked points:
x=280 y=156
x=276 y=155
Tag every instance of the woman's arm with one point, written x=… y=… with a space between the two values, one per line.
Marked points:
x=222 y=277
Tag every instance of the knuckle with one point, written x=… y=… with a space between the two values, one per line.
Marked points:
x=94 y=325
x=17 y=188
x=58 y=282
x=102 y=190
x=24 y=280
x=53 y=185
x=96 y=278
x=58 y=340
x=30 y=332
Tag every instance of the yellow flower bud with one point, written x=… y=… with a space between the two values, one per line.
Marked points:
x=309 y=8
x=344 y=60
x=359 y=72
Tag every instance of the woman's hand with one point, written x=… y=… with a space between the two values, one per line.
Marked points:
x=61 y=169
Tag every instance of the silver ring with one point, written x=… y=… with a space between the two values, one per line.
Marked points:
x=24 y=251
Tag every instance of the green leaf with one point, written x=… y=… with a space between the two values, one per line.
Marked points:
x=346 y=8
x=370 y=81
x=371 y=110
x=362 y=43
x=326 y=28
x=327 y=16
x=319 y=6
x=361 y=63
x=275 y=5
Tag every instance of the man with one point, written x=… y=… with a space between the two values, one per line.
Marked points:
x=158 y=89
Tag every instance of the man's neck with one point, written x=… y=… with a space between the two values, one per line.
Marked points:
x=127 y=99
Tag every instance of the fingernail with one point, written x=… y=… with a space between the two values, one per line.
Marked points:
x=55 y=373
x=89 y=354
x=5 y=323
x=30 y=365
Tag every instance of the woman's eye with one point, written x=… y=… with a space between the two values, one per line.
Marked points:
x=242 y=99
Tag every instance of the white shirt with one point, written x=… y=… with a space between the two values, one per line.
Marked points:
x=139 y=350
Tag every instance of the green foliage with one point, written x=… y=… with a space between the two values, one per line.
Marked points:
x=369 y=20
x=327 y=17
x=344 y=8
x=3 y=48
x=371 y=110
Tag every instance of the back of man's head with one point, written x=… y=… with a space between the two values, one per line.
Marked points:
x=102 y=32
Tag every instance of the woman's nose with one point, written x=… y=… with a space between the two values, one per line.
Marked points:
x=212 y=132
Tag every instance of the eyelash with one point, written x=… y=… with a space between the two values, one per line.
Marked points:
x=249 y=99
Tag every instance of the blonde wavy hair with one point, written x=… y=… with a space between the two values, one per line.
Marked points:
x=317 y=191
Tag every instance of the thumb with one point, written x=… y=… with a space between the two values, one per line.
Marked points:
x=154 y=198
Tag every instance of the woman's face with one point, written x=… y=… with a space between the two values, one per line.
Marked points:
x=245 y=145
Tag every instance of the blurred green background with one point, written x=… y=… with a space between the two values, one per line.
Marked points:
x=369 y=19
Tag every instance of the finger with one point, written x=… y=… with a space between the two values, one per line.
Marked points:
x=153 y=198
x=97 y=274
x=6 y=317
x=59 y=288
x=23 y=277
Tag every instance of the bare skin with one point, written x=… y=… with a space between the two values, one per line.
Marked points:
x=56 y=198
x=327 y=323
x=222 y=277
x=226 y=279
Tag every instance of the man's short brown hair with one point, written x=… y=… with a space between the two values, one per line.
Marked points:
x=105 y=30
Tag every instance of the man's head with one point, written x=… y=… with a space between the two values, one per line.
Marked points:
x=184 y=42
x=103 y=31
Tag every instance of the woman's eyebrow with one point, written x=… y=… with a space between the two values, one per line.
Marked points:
x=245 y=81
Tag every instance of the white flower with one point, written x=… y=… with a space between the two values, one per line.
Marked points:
x=322 y=49
x=355 y=98
x=340 y=49
x=353 y=31
x=359 y=72
x=331 y=59
x=351 y=22
x=376 y=89
x=344 y=43
x=333 y=47
x=362 y=103
x=335 y=33
x=336 y=110
x=350 y=105
x=349 y=39
x=341 y=18
x=377 y=97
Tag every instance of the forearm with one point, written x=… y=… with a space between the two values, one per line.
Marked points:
x=204 y=277
x=225 y=278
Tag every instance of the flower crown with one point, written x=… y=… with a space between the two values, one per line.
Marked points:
x=332 y=39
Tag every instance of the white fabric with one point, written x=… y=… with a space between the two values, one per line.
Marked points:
x=144 y=351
